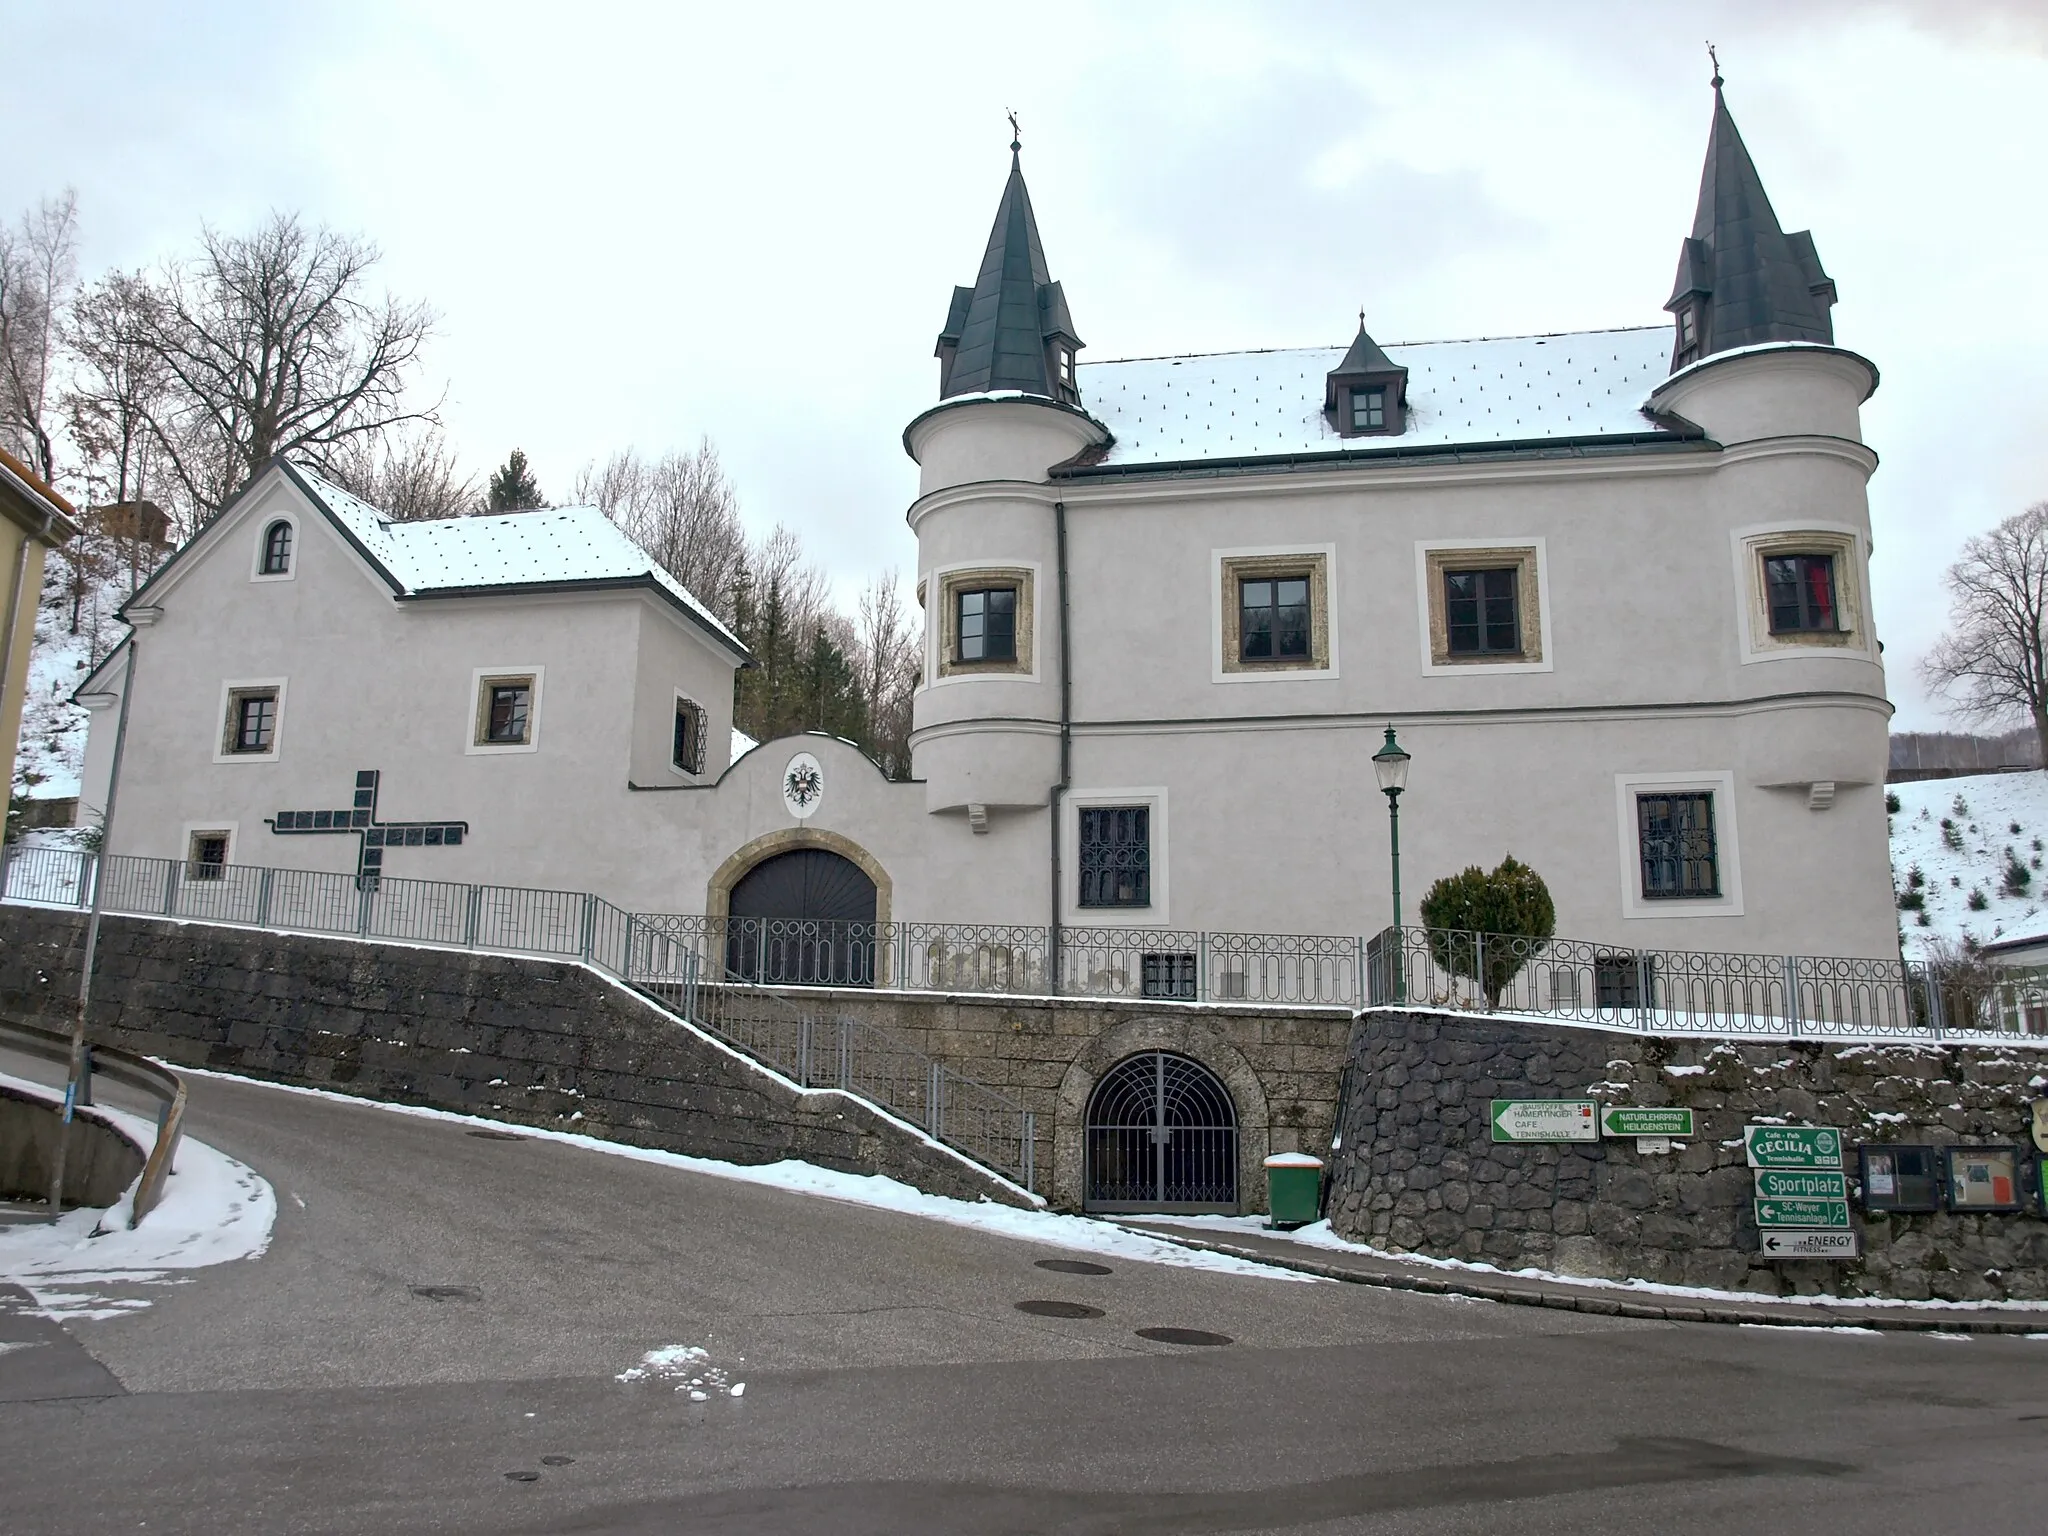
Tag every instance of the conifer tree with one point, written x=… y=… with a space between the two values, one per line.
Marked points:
x=513 y=488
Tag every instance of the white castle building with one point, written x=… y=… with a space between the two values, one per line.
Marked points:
x=1611 y=589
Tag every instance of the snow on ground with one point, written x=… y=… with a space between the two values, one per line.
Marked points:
x=1319 y=1235
x=52 y=753
x=1957 y=834
x=1079 y=1233
x=214 y=1211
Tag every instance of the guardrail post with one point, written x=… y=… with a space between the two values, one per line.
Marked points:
x=87 y=881
x=803 y=1050
x=1792 y=1004
x=1479 y=965
x=6 y=865
x=1202 y=968
x=845 y=1051
x=900 y=977
x=1645 y=1003
x=469 y=915
x=589 y=922
x=263 y=896
x=171 y=868
x=1030 y=1148
x=934 y=1108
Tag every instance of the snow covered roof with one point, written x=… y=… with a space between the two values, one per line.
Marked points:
x=562 y=546
x=1579 y=387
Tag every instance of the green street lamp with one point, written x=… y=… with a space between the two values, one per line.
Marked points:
x=1391 y=764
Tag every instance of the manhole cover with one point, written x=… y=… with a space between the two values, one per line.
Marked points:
x=1182 y=1336
x=496 y=1136
x=1073 y=1267
x=447 y=1292
x=522 y=1477
x=1058 y=1309
x=556 y=1461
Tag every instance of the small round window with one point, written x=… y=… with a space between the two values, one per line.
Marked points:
x=277 y=549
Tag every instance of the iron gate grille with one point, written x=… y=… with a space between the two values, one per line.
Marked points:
x=1161 y=1134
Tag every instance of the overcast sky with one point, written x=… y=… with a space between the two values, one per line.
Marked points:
x=643 y=224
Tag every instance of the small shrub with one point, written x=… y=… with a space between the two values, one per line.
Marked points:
x=1977 y=900
x=1912 y=901
x=2017 y=876
x=1956 y=881
x=1511 y=902
x=1916 y=878
x=1961 y=806
x=2014 y=829
x=1922 y=920
x=1951 y=835
x=1891 y=803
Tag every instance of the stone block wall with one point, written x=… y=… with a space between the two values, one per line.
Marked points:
x=99 y=1164
x=1281 y=1065
x=1418 y=1171
x=534 y=1042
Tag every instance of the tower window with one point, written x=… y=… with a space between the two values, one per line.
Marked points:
x=1802 y=593
x=987 y=624
x=1066 y=355
x=277 y=550
x=1369 y=409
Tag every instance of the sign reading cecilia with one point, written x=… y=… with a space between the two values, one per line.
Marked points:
x=1545 y=1120
x=1792 y=1146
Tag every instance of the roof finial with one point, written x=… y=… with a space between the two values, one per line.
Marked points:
x=1016 y=135
x=1361 y=317
x=1716 y=60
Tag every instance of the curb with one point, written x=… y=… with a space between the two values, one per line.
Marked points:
x=1592 y=1302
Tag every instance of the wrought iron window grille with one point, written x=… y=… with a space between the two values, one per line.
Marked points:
x=1116 y=856
x=1680 y=859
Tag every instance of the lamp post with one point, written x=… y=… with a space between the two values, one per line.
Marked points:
x=1390 y=763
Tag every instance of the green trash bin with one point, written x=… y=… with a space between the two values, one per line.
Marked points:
x=1294 y=1189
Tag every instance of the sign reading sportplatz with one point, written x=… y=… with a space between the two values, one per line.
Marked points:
x=1792 y=1146
x=1809 y=1245
x=1629 y=1120
x=1797 y=1184
x=1545 y=1120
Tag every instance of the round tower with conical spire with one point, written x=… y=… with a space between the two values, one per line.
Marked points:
x=987 y=518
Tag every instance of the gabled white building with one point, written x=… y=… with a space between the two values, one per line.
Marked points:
x=1610 y=588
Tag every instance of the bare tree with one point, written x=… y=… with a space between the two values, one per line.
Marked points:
x=888 y=660
x=118 y=386
x=1993 y=662
x=38 y=268
x=272 y=345
x=410 y=475
x=682 y=510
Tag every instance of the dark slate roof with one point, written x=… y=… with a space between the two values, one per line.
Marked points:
x=1365 y=356
x=999 y=328
x=1758 y=283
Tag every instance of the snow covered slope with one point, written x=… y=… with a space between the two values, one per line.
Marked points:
x=1959 y=837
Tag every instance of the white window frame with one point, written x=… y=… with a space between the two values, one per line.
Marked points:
x=1848 y=545
x=1727 y=845
x=264 y=524
x=1426 y=599
x=192 y=829
x=1255 y=672
x=1073 y=914
x=474 y=707
x=228 y=690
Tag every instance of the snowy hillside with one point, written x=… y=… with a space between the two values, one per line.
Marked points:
x=52 y=752
x=1967 y=858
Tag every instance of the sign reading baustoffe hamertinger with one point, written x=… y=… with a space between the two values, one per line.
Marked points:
x=1545 y=1120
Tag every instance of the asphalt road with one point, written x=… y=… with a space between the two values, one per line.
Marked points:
x=892 y=1386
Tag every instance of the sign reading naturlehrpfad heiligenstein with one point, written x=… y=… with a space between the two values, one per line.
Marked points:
x=1637 y=1120
x=1545 y=1120
x=1792 y=1146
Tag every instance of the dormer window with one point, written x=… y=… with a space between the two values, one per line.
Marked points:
x=1688 y=335
x=1369 y=409
x=1066 y=360
x=274 y=553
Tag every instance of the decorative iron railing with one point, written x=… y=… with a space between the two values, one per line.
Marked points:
x=1677 y=991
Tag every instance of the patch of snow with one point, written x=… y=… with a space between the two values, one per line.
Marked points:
x=1994 y=801
x=1319 y=1235
x=1685 y=1071
x=1078 y=1233
x=688 y=1367
x=742 y=744
x=214 y=1211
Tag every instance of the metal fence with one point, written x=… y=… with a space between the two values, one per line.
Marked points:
x=1666 y=991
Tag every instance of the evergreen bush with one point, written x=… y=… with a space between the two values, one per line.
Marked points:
x=1510 y=906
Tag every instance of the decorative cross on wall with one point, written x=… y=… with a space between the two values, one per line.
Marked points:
x=376 y=835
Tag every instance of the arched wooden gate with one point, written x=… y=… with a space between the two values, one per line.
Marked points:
x=803 y=918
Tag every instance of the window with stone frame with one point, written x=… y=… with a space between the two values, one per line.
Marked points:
x=1799 y=590
x=1676 y=844
x=1482 y=611
x=1116 y=856
x=1485 y=606
x=985 y=627
x=1275 y=618
x=251 y=727
x=504 y=715
x=1274 y=612
x=984 y=622
x=206 y=855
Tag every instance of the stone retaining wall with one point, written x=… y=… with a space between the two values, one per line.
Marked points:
x=1418 y=1171
x=99 y=1163
x=535 y=1042
x=1281 y=1065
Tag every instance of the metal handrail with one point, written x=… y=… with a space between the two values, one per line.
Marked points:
x=131 y=1071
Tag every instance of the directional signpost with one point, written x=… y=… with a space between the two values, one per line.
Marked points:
x=1802 y=1195
x=1630 y=1120
x=1545 y=1120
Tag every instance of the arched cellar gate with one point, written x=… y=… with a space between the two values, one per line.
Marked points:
x=1161 y=1134
x=802 y=918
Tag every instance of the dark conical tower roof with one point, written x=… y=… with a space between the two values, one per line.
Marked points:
x=1005 y=332
x=1745 y=279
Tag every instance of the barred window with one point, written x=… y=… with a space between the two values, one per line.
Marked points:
x=689 y=737
x=1116 y=856
x=206 y=856
x=1676 y=836
x=1170 y=975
